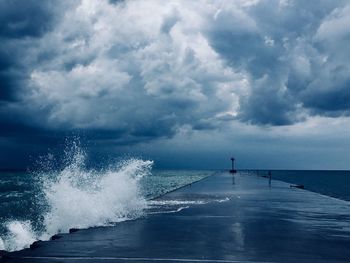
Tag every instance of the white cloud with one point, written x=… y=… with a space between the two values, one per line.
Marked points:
x=122 y=67
x=137 y=66
x=336 y=26
x=246 y=75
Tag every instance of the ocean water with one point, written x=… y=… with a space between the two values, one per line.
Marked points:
x=37 y=205
x=326 y=182
x=332 y=183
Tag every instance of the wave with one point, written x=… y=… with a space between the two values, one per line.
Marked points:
x=20 y=236
x=2 y=244
x=76 y=197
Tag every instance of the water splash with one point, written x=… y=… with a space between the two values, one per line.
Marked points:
x=2 y=244
x=81 y=198
x=86 y=198
x=21 y=235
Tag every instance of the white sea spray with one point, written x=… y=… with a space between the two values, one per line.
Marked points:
x=76 y=197
x=2 y=244
x=20 y=235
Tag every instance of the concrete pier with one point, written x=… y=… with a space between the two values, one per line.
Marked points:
x=224 y=218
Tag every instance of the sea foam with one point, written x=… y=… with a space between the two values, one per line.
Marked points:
x=76 y=197
x=20 y=235
x=2 y=244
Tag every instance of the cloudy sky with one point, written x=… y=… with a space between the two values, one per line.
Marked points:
x=185 y=83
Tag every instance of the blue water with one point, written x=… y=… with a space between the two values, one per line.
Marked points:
x=332 y=183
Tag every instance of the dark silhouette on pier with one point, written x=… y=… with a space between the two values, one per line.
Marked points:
x=300 y=186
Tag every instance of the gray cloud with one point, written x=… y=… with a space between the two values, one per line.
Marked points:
x=30 y=18
x=134 y=71
x=144 y=80
x=284 y=46
x=21 y=24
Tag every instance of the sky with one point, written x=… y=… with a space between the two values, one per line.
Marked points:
x=187 y=84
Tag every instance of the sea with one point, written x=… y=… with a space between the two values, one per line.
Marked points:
x=34 y=205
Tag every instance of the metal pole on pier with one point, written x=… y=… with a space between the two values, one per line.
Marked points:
x=233 y=166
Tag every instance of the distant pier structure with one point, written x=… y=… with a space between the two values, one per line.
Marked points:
x=233 y=171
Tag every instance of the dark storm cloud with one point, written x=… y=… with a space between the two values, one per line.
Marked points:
x=22 y=24
x=30 y=18
x=275 y=42
x=323 y=87
x=19 y=20
x=135 y=71
x=9 y=71
x=268 y=104
x=131 y=83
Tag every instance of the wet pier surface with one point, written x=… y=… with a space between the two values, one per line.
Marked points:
x=223 y=218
